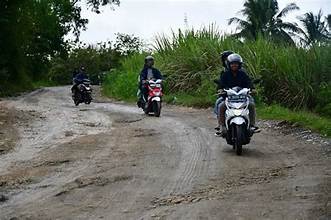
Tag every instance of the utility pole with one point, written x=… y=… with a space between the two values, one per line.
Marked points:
x=186 y=20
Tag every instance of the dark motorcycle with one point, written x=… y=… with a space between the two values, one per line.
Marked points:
x=83 y=93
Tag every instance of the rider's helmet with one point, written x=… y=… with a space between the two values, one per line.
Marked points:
x=235 y=58
x=148 y=58
x=82 y=68
x=149 y=61
x=224 y=56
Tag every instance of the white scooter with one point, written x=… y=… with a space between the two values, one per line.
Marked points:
x=237 y=121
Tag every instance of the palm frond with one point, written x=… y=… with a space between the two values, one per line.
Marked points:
x=315 y=28
x=288 y=26
x=237 y=21
x=289 y=8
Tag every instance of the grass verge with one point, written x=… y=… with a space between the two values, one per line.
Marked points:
x=304 y=119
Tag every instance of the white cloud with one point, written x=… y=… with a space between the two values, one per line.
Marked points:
x=146 y=18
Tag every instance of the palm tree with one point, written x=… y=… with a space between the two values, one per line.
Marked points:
x=263 y=18
x=315 y=28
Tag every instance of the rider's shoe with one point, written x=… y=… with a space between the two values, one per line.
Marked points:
x=255 y=129
x=221 y=132
x=139 y=104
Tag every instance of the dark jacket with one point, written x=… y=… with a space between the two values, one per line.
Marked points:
x=80 y=77
x=242 y=80
x=144 y=72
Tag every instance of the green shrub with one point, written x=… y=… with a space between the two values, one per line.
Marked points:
x=123 y=83
x=292 y=77
x=324 y=100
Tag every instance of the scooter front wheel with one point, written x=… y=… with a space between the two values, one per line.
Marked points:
x=157 y=108
x=238 y=141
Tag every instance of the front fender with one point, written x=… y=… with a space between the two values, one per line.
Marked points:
x=237 y=121
x=157 y=99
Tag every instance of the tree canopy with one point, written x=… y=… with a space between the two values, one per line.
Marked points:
x=315 y=28
x=264 y=18
x=33 y=31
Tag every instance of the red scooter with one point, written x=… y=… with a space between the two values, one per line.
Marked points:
x=154 y=99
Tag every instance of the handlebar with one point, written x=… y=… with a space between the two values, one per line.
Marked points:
x=223 y=92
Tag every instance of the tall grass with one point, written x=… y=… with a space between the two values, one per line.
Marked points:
x=189 y=58
x=122 y=83
x=293 y=77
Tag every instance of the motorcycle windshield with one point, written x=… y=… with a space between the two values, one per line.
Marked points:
x=237 y=98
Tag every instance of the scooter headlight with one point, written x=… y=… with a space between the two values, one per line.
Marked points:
x=234 y=105
x=237 y=112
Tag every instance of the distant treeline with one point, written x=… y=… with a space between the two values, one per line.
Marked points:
x=32 y=33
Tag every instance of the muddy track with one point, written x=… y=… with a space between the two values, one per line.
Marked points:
x=109 y=161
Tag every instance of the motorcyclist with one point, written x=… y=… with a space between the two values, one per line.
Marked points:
x=235 y=76
x=79 y=78
x=74 y=73
x=224 y=58
x=147 y=73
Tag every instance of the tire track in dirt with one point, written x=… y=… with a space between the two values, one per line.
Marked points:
x=192 y=166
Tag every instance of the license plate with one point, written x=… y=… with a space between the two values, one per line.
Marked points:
x=237 y=98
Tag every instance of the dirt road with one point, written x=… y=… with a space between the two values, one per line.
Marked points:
x=109 y=161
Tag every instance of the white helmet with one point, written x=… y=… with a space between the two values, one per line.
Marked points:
x=149 y=58
x=235 y=58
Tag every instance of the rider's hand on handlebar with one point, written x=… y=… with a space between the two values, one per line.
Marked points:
x=221 y=92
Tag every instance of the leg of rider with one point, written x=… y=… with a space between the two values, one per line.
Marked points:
x=221 y=117
x=73 y=89
x=144 y=92
x=216 y=111
x=139 y=97
x=217 y=105
x=139 y=94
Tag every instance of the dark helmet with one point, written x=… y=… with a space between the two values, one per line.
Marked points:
x=235 y=58
x=82 y=68
x=224 y=56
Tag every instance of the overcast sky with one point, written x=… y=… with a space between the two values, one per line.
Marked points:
x=146 y=18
